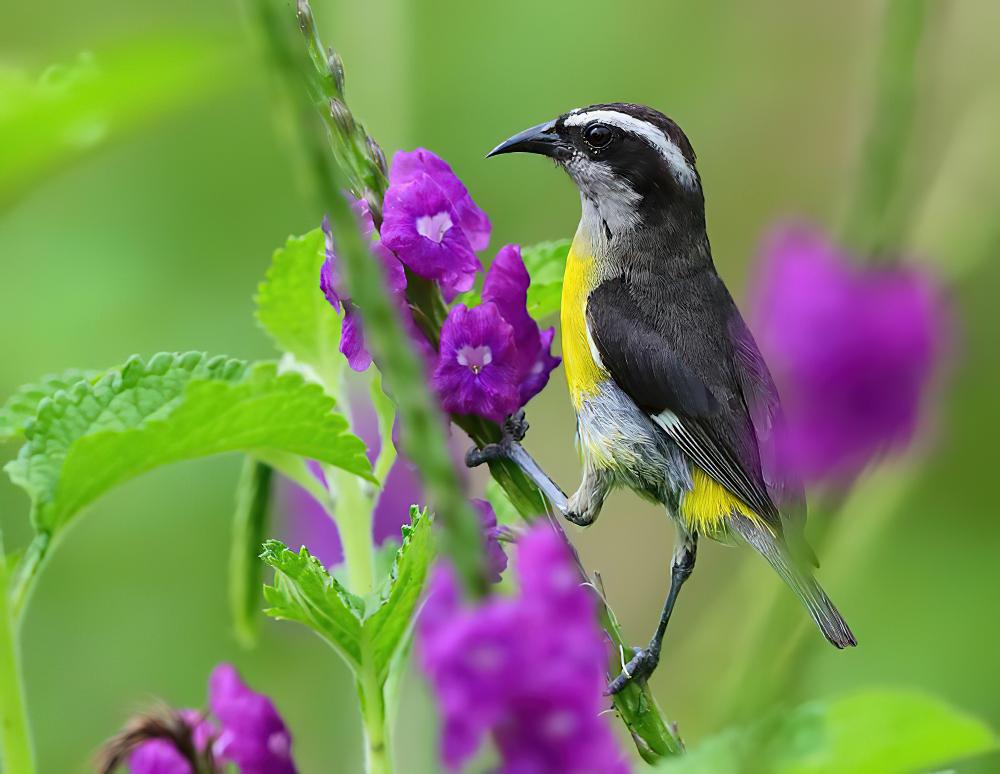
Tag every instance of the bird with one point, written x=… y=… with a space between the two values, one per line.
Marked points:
x=672 y=396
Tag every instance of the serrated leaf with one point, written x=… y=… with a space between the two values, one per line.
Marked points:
x=21 y=407
x=870 y=732
x=173 y=407
x=291 y=307
x=304 y=591
x=388 y=626
x=253 y=496
x=545 y=262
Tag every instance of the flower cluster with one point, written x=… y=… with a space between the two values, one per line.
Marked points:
x=530 y=670
x=492 y=358
x=248 y=733
x=852 y=347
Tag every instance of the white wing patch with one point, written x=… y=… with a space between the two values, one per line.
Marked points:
x=594 y=353
x=651 y=134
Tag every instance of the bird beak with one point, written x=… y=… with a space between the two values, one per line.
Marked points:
x=541 y=139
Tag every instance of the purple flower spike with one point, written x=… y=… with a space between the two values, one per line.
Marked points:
x=421 y=227
x=852 y=347
x=408 y=166
x=496 y=559
x=253 y=735
x=506 y=286
x=477 y=369
x=483 y=665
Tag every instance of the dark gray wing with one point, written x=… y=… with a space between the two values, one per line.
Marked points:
x=762 y=400
x=666 y=344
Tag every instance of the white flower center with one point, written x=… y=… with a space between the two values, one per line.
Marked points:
x=558 y=725
x=279 y=744
x=434 y=227
x=475 y=358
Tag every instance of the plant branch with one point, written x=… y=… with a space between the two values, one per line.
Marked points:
x=360 y=161
x=314 y=79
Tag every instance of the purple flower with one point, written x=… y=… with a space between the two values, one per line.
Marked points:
x=528 y=670
x=421 y=226
x=158 y=756
x=408 y=166
x=477 y=370
x=250 y=733
x=352 y=341
x=853 y=348
x=506 y=286
x=493 y=358
x=253 y=735
x=496 y=559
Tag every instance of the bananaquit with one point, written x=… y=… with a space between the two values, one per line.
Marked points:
x=672 y=397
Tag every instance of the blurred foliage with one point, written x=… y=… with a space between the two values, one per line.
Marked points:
x=870 y=732
x=47 y=121
x=159 y=241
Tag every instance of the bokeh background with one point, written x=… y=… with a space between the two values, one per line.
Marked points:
x=156 y=241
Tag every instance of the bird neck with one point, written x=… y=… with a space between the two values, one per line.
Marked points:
x=671 y=238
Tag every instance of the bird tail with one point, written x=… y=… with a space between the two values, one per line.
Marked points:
x=799 y=579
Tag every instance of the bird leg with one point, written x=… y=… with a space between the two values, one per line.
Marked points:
x=509 y=448
x=644 y=660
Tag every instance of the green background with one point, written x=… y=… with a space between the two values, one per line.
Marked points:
x=157 y=240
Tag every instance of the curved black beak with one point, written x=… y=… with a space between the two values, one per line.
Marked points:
x=541 y=139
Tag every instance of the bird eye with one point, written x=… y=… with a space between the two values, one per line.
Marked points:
x=598 y=135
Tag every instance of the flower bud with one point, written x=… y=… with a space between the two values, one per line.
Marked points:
x=376 y=155
x=341 y=114
x=336 y=66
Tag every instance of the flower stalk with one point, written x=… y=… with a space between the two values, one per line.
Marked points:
x=358 y=161
x=15 y=737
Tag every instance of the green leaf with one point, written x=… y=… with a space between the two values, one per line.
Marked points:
x=253 y=496
x=292 y=309
x=173 y=407
x=388 y=626
x=545 y=262
x=304 y=591
x=49 y=120
x=870 y=732
x=22 y=406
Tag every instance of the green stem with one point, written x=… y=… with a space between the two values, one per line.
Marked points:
x=378 y=750
x=353 y=512
x=868 y=224
x=15 y=738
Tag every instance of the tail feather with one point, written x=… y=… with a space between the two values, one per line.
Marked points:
x=800 y=580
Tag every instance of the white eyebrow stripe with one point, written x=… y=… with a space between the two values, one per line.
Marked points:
x=651 y=134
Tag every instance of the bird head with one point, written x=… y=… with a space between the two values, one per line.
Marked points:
x=632 y=164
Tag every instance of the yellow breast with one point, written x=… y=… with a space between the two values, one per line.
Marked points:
x=583 y=374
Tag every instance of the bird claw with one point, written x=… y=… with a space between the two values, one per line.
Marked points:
x=513 y=430
x=515 y=427
x=640 y=667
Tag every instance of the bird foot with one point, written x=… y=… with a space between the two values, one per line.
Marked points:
x=513 y=430
x=640 y=667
